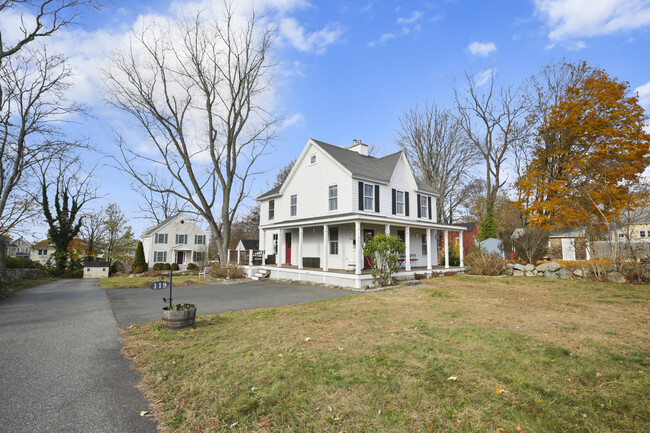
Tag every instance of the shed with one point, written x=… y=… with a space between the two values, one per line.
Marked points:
x=246 y=244
x=96 y=269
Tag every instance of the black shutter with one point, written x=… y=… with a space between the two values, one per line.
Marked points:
x=417 y=204
x=429 y=208
x=394 y=202
x=406 y=203
x=360 y=195
x=376 y=198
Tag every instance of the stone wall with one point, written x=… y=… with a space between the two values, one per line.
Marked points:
x=556 y=270
x=25 y=274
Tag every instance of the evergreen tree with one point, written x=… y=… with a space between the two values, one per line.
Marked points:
x=487 y=228
x=139 y=265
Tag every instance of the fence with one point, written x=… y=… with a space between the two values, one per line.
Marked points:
x=603 y=249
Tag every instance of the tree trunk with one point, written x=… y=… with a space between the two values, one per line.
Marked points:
x=3 y=263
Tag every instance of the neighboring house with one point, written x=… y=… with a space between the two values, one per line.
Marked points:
x=332 y=200
x=96 y=269
x=10 y=246
x=42 y=253
x=178 y=239
x=21 y=248
x=636 y=225
x=469 y=237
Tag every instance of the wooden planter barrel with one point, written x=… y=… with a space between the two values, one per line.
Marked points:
x=179 y=319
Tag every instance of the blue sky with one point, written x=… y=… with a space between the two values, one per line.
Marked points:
x=347 y=70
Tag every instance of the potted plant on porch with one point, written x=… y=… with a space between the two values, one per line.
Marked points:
x=174 y=316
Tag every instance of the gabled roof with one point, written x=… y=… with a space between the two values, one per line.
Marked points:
x=250 y=244
x=361 y=166
x=43 y=244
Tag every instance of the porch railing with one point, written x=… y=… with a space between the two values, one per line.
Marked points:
x=245 y=257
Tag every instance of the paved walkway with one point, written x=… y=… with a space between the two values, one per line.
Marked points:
x=144 y=305
x=60 y=364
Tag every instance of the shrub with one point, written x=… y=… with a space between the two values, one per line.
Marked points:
x=384 y=250
x=139 y=263
x=454 y=255
x=531 y=245
x=226 y=270
x=166 y=267
x=174 y=266
x=20 y=263
x=480 y=262
x=192 y=267
x=115 y=267
x=156 y=267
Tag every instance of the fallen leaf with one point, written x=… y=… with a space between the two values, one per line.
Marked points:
x=144 y=413
x=307 y=339
x=501 y=391
x=452 y=378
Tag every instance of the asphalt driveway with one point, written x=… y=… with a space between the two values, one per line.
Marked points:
x=144 y=305
x=61 y=365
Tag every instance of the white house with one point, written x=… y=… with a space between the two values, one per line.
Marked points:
x=42 y=252
x=336 y=197
x=178 y=239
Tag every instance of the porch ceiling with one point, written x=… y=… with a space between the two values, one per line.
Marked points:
x=368 y=219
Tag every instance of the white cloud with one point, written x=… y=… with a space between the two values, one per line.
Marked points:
x=296 y=119
x=644 y=95
x=483 y=77
x=569 y=19
x=403 y=21
x=309 y=42
x=482 y=49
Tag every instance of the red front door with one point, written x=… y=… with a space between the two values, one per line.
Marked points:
x=287 y=257
x=179 y=257
x=367 y=235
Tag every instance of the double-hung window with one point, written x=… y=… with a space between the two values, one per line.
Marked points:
x=334 y=240
x=199 y=239
x=275 y=243
x=368 y=197
x=294 y=205
x=642 y=233
x=334 y=197
x=271 y=209
x=399 y=202
x=424 y=210
x=424 y=244
x=181 y=239
x=160 y=238
x=160 y=256
x=42 y=252
x=198 y=256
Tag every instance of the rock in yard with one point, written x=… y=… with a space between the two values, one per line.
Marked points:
x=529 y=274
x=411 y=283
x=616 y=277
x=517 y=273
x=554 y=266
x=542 y=268
x=529 y=267
x=578 y=273
x=549 y=274
x=564 y=273
x=519 y=267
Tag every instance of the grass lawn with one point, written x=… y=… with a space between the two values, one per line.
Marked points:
x=126 y=282
x=18 y=285
x=463 y=354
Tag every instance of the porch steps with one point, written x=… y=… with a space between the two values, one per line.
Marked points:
x=260 y=274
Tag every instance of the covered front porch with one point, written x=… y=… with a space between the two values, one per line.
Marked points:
x=325 y=251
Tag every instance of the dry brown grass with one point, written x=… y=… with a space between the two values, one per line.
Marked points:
x=572 y=356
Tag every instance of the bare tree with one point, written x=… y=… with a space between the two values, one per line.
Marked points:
x=493 y=121
x=32 y=102
x=157 y=207
x=64 y=183
x=437 y=147
x=196 y=87
x=39 y=19
x=93 y=230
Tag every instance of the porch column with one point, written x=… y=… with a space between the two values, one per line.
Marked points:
x=407 y=254
x=300 y=247
x=228 y=259
x=359 y=252
x=429 y=249
x=280 y=256
x=460 y=246
x=388 y=229
x=326 y=238
x=238 y=256
x=587 y=250
x=250 y=257
x=446 y=249
x=263 y=246
x=434 y=248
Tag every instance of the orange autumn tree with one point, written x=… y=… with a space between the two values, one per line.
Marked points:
x=589 y=153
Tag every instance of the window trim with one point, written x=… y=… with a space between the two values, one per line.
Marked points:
x=334 y=243
x=179 y=237
x=368 y=187
x=424 y=206
x=271 y=209
x=397 y=202
x=293 y=205
x=164 y=256
x=158 y=236
x=333 y=198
